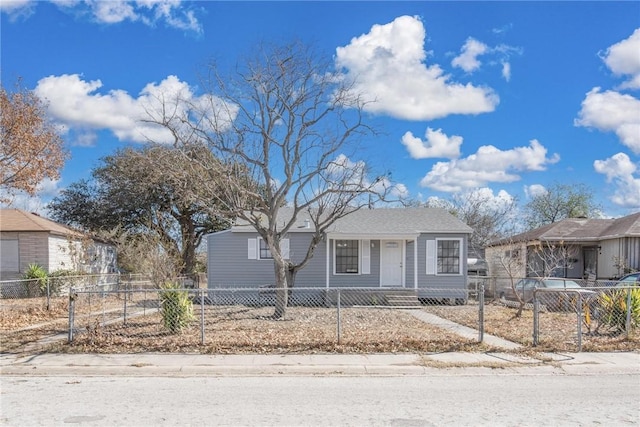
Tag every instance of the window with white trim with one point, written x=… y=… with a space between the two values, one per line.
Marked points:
x=257 y=248
x=449 y=254
x=265 y=252
x=347 y=257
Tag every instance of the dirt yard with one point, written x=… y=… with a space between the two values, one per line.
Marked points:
x=242 y=329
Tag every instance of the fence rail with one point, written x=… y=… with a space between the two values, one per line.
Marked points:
x=132 y=311
x=593 y=314
x=246 y=318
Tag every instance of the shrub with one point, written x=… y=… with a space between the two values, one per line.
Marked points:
x=613 y=309
x=176 y=307
x=38 y=285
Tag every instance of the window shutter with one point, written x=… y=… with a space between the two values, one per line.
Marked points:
x=252 y=249
x=366 y=257
x=431 y=257
x=284 y=247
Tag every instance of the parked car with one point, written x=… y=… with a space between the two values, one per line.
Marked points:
x=555 y=299
x=632 y=279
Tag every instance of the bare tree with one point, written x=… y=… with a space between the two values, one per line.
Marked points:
x=515 y=259
x=547 y=258
x=490 y=218
x=510 y=257
x=31 y=148
x=285 y=125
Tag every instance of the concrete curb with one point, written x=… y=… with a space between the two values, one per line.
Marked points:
x=440 y=364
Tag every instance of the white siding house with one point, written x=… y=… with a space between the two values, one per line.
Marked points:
x=27 y=238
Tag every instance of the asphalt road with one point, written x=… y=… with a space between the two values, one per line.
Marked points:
x=497 y=400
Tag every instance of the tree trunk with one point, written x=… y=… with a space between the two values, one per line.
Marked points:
x=282 y=290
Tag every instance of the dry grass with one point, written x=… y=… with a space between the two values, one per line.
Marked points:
x=240 y=329
x=557 y=331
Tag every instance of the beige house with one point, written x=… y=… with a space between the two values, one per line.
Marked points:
x=27 y=238
x=574 y=248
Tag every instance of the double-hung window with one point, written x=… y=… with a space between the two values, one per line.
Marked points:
x=347 y=260
x=449 y=254
x=265 y=252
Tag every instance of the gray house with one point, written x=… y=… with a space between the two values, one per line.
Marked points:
x=421 y=249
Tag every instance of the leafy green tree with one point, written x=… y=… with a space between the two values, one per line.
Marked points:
x=558 y=202
x=145 y=191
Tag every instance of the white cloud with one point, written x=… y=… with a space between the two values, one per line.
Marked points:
x=10 y=6
x=150 y=12
x=489 y=164
x=620 y=170
x=354 y=175
x=490 y=202
x=75 y=104
x=623 y=59
x=534 y=190
x=437 y=144
x=469 y=53
x=45 y=191
x=614 y=112
x=17 y=9
x=506 y=71
x=113 y=11
x=388 y=66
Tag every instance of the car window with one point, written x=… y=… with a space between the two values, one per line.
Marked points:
x=631 y=278
x=557 y=283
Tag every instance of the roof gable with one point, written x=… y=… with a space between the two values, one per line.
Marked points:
x=18 y=220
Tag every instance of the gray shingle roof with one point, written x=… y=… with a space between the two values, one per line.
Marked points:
x=581 y=229
x=384 y=221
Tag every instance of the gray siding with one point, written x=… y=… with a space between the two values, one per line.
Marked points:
x=229 y=266
x=438 y=285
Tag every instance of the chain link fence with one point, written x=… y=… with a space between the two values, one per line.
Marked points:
x=251 y=319
x=586 y=316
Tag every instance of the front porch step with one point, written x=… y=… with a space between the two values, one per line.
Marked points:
x=404 y=299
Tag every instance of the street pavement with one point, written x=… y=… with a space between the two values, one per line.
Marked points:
x=402 y=364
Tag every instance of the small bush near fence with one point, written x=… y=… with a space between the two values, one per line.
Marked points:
x=242 y=321
x=128 y=315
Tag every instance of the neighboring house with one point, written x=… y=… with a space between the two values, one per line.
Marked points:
x=587 y=248
x=27 y=238
x=416 y=248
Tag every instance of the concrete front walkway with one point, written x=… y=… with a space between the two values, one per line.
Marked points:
x=464 y=331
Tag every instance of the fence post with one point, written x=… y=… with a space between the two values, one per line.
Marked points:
x=72 y=309
x=338 y=326
x=48 y=293
x=481 y=314
x=627 y=325
x=536 y=320
x=202 y=316
x=579 y=312
x=125 y=308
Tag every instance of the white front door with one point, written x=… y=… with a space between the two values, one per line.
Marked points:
x=391 y=263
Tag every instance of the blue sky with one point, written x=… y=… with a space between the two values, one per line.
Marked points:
x=505 y=98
